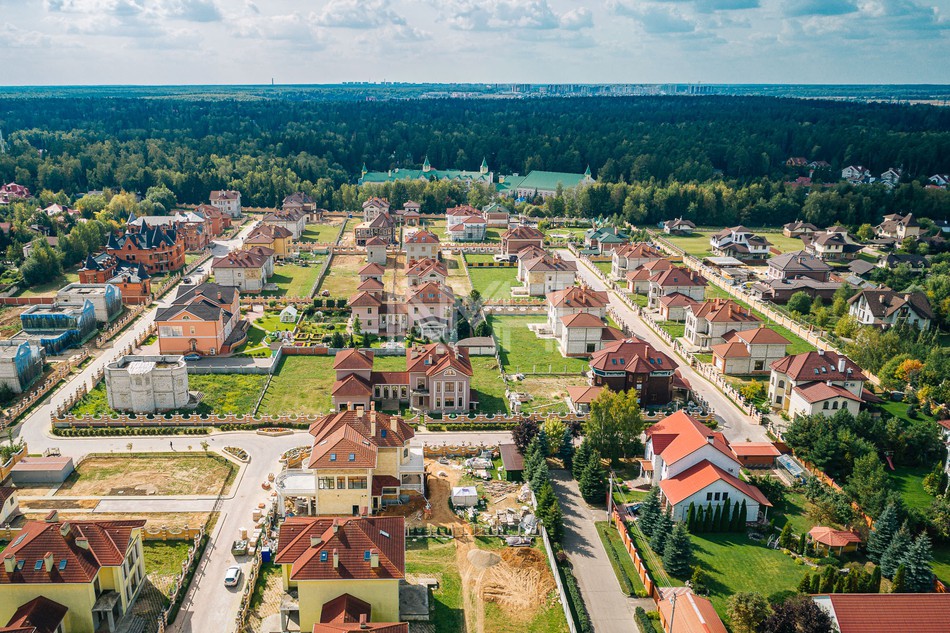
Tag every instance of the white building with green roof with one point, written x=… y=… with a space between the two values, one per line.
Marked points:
x=428 y=172
x=542 y=183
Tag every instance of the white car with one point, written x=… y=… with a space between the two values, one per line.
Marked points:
x=232 y=576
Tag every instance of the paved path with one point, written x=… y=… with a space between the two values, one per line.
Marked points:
x=611 y=610
x=734 y=424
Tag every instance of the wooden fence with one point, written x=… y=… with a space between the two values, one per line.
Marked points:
x=630 y=546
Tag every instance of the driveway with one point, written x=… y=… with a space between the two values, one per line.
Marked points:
x=611 y=610
x=733 y=422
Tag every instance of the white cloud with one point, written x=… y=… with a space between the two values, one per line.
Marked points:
x=358 y=14
x=503 y=15
x=580 y=18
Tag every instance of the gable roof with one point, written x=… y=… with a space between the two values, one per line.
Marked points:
x=425 y=266
x=818 y=366
x=310 y=545
x=431 y=292
x=894 y=612
x=694 y=614
x=702 y=475
x=550 y=263
x=374 y=241
x=639 y=250
x=423 y=237
x=679 y=434
x=798 y=262
x=578 y=297
x=522 y=232
x=353 y=359
x=677 y=299
x=39 y=615
x=724 y=311
x=631 y=355
x=677 y=278
x=761 y=336
x=371 y=269
x=814 y=392
x=584 y=394
x=884 y=303
x=364 y=299
x=435 y=358
x=581 y=319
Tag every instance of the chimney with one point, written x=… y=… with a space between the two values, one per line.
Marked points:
x=336 y=526
x=52 y=516
x=363 y=623
x=711 y=439
x=64 y=529
x=315 y=541
x=821 y=352
x=828 y=382
x=841 y=364
x=372 y=425
x=48 y=561
x=336 y=559
x=359 y=412
x=82 y=542
x=9 y=563
x=374 y=559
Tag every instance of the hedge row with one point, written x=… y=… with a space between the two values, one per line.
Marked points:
x=644 y=623
x=118 y=431
x=578 y=608
x=186 y=581
x=473 y=426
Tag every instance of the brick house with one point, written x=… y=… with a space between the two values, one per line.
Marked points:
x=381 y=226
x=203 y=319
x=299 y=202
x=217 y=221
x=545 y=274
x=132 y=279
x=159 y=249
x=519 y=237
x=421 y=271
x=633 y=363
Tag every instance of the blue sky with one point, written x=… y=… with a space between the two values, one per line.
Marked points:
x=328 y=41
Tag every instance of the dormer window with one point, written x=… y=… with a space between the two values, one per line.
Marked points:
x=323 y=557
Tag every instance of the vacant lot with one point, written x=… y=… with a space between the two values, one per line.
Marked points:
x=494 y=283
x=293 y=280
x=223 y=393
x=301 y=385
x=547 y=393
x=489 y=385
x=434 y=559
x=322 y=233
x=163 y=561
x=150 y=474
x=458 y=280
x=480 y=258
x=342 y=278
x=51 y=287
x=523 y=352
x=604 y=267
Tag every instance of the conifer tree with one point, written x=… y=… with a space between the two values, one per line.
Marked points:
x=700 y=521
x=593 y=481
x=581 y=457
x=742 y=515
x=884 y=529
x=786 y=538
x=816 y=583
x=678 y=553
x=691 y=516
x=661 y=533
x=735 y=524
x=918 y=566
x=802 y=542
x=897 y=585
x=874 y=584
x=805 y=585
x=708 y=520
x=717 y=519
x=541 y=475
x=895 y=552
x=725 y=522
x=649 y=511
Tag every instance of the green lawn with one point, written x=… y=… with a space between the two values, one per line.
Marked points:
x=223 y=393
x=941 y=564
x=494 y=283
x=301 y=385
x=909 y=482
x=619 y=558
x=322 y=233
x=389 y=363
x=163 y=561
x=50 y=287
x=673 y=328
x=604 y=267
x=270 y=322
x=734 y=563
x=640 y=300
x=795 y=508
x=483 y=258
x=429 y=557
x=293 y=280
x=523 y=352
x=696 y=244
x=487 y=382
x=342 y=278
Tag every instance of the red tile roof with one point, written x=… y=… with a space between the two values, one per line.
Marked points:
x=891 y=612
x=818 y=391
x=345 y=608
x=832 y=537
x=437 y=357
x=373 y=269
x=632 y=355
x=584 y=394
x=730 y=350
x=724 y=311
x=354 y=359
x=522 y=232
x=328 y=437
x=679 y=434
x=349 y=540
x=369 y=627
x=754 y=449
x=762 y=336
x=818 y=366
x=352 y=386
x=639 y=250
x=581 y=319
x=384 y=481
x=422 y=237
x=678 y=278
x=702 y=475
x=39 y=615
x=431 y=293
x=677 y=299
x=578 y=297
x=425 y=266
x=694 y=614
x=374 y=241
x=364 y=299
x=107 y=542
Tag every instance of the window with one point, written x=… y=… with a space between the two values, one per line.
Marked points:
x=382 y=432
x=341 y=483
x=834 y=405
x=357 y=483
x=367 y=555
x=716 y=497
x=332 y=457
x=708 y=496
x=352 y=457
x=825 y=405
x=781 y=384
x=323 y=557
x=326 y=483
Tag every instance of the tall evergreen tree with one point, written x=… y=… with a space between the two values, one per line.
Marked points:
x=649 y=511
x=691 y=516
x=532 y=460
x=717 y=519
x=802 y=542
x=828 y=577
x=540 y=476
x=593 y=481
x=661 y=533
x=786 y=539
x=874 y=581
x=805 y=585
x=918 y=566
x=549 y=512
x=708 y=519
x=816 y=583
x=895 y=552
x=700 y=521
x=743 y=513
x=897 y=584
x=735 y=524
x=566 y=449
x=725 y=522
x=884 y=529
x=678 y=553
x=581 y=457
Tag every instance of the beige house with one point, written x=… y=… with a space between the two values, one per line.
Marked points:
x=898 y=226
x=544 y=274
x=630 y=257
x=429 y=307
x=293 y=220
x=681 y=280
x=247 y=270
x=574 y=300
x=374 y=207
x=228 y=202
x=638 y=280
x=421 y=244
x=749 y=351
x=816 y=382
x=421 y=271
x=707 y=324
x=376 y=252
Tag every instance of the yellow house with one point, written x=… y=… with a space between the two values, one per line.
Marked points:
x=339 y=567
x=360 y=461
x=94 y=569
x=276 y=238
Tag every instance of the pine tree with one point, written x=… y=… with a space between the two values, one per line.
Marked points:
x=884 y=529
x=735 y=525
x=854 y=581
x=549 y=512
x=839 y=584
x=691 y=516
x=566 y=450
x=786 y=539
x=918 y=566
x=581 y=457
x=874 y=584
x=895 y=552
x=717 y=519
x=593 y=481
x=816 y=583
x=545 y=445
x=661 y=533
x=532 y=460
x=649 y=511
x=897 y=585
x=802 y=543
x=708 y=521
x=700 y=521
x=828 y=579
x=540 y=476
x=678 y=554
x=805 y=585
x=743 y=513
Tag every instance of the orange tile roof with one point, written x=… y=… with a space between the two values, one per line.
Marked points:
x=832 y=537
x=437 y=357
x=422 y=237
x=632 y=355
x=581 y=319
x=350 y=540
x=584 y=394
x=522 y=232
x=639 y=250
x=431 y=292
x=391 y=431
x=803 y=367
x=368 y=627
x=677 y=299
x=364 y=299
x=351 y=386
x=762 y=336
x=371 y=269
x=694 y=614
x=754 y=449
x=702 y=475
x=730 y=350
x=344 y=608
x=724 y=311
x=677 y=278
x=682 y=435
x=354 y=359
x=578 y=297
x=818 y=391
x=39 y=615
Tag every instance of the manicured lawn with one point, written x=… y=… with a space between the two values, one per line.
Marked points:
x=293 y=280
x=523 y=352
x=389 y=363
x=194 y=473
x=673 y=328
x=795 y=508
x=604 y=267
x=941 y=564
x=640 y=300
x=782 y=243
x=473 y=258
x=223 y=393
x=270 y=322
x=487 y=382
x=458 y=279
x=323 y=233
x=429 y=557
x=619 y=558
x=50 y=287
x=342 y=278
x=734 y=563
x=494 y=283
x=909 y=482
x=301 y=385
x=696 y=244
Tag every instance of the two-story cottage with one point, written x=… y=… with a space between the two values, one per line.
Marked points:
x=456 y=215
x=798 y=228
x=898 y=227
x=377 y=251
x=381 y=226
x=519 y=237
x=85 y=575
x=798 y=264
x=276 y=238
x=679 y=226
x=472 y=228
x=885 y=308
x=294 y=220
x=132 y=280
x=707 y=324
x=816 y=382
x=749 y=352
x=421 y=271
x=629 y=257
x=374 y=207
x=545 y=274
x=203 y=319
x=577 y=320
x=299 y=201
x=248 y=270
x=421 y=244
x=574 y=300
x=693 y=466
x=428 y=307
x=604 y=239
x=496 y=215
x=741 y=243
x=345 y=571
x=831 y=245
x=632 y=363
x=681 y=280
x=856 y=173
x=217 y=221
x=674 y=307
x=638 y=279
x=228 y=202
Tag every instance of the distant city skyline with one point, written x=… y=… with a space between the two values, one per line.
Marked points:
x=68 y=42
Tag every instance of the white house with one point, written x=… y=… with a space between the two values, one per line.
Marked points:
x=855 y=173
x=741 y=243
x=470 y=229
x=630 y=257
x=9 y=504
x=544 y=274
x=898 y=226
x=708 y=323
x=376 y=251
x=575 y=300
x=749 y=351
x=891 y=177
x=816 y=382
x=681 y=280
x=885 y=308
x=940 y=180
x=228 y=202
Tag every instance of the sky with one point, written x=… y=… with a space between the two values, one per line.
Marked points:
x=89 y=42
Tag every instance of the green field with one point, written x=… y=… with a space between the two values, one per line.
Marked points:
x=604 y=267
x=301 y=385
x=489 y=385
x=50 y=287
x=697 y=244
x=909 y=482
x=494 y=283
x=523 y=352
x=342 y=278
x=293 y=280
x=429 y=557
x=322 y=233
x=473 y=258
x=389 y=363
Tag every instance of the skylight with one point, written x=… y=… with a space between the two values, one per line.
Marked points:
x=62 y=564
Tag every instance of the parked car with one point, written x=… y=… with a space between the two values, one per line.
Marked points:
x=232 y=576
x=192 y=356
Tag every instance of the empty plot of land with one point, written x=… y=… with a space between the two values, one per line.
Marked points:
x=150 y=474
x=547 y=393
x=494 y=283
x=343 y=278
x=394 y=279
x=487 y=382
x=301 y=385
x=458 y=280
x=293 y=280
x=322 y=233
x=523 y=352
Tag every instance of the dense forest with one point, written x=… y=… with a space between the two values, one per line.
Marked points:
x=717 y=159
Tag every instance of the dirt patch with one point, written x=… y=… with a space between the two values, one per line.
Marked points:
x=54 y=504
x=520 y=583
x=150 y=474
x=483 y=559
x=10 y=320
x=153 y=520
